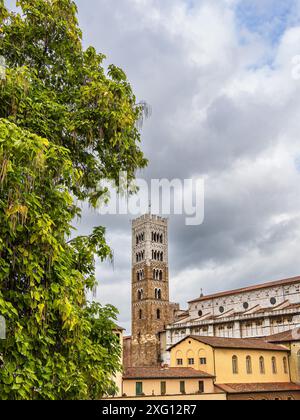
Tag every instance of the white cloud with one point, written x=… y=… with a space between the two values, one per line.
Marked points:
x=225 y=106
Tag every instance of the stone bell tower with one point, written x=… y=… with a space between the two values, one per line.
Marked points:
x=151 y=308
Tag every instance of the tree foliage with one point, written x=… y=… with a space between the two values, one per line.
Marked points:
x=65 y=125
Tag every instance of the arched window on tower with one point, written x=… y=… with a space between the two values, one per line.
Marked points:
x=158 y=314
x=141 y=314
x=160 y=275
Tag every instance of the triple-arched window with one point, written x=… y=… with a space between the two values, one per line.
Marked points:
x=140 y=275
x=140 y=256
x=157 y=237
x=157 y=255
x=140 y=238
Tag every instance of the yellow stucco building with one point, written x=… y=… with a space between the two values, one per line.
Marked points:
x=243 y=368
x=233 y=360
x=170 y=383
x=290 y=340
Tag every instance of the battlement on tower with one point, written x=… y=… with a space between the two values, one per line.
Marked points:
x=149 y=218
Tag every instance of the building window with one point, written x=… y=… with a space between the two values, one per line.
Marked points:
x=200 y=313
x=285 y=366
x=246 y=305
x=235 y=365
x=249 y=365
x=179 y=362
x=274 y=365
x=139 y=388
x=141 y=314
x=158 y=315
x=273 y=301
x=201 y=387
x=203 y=361
x=191 y=362
x=182 y=387
x=163 y=388
x=221 y=309
x=262 y=367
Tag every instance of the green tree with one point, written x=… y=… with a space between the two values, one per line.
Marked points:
x=65 y=125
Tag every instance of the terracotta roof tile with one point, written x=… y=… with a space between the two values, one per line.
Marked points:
x=160 y=373
x=235 y=343
x=249 y=289
x=292 y=335
x=258 y=387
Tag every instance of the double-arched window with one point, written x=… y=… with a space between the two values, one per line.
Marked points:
x=158 y=294
x=157 y=275
x=140 y=294
x=140 y=275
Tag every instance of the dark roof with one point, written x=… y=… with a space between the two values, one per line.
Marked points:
x=249 y=289
x=235 y=343
x=167 y=373
x=258 y=387
x=285 y=337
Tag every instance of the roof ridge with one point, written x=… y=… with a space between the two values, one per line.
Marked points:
x=248 y=289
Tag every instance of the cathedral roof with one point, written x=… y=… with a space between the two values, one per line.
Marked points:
x=284 y=282
x=285 y=337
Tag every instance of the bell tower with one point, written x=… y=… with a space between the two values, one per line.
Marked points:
x=151 y=308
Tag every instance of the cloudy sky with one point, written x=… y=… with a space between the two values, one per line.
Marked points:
x=225 y=101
